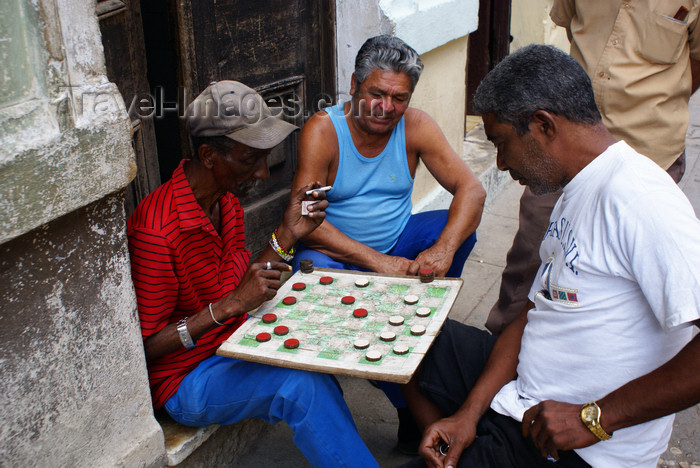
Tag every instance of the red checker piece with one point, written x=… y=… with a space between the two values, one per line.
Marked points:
x=325 y=280
x=348 y=300
x=269 y=318
x=281 y=330
x=360 y=313
x=291 y=343
x=263 y=337
x=289 y=300
x=299 y=286
x=426 y=272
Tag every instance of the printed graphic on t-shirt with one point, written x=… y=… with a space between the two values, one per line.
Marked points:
x=554 y=292
x=565 y=295
x=562 y=231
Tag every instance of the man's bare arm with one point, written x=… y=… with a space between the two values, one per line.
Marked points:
x=425 y=137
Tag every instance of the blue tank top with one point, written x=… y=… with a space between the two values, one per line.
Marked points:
x=371 y=197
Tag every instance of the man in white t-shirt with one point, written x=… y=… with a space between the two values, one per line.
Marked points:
x=593 y=372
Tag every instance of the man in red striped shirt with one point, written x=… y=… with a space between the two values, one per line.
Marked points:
x=195 y=286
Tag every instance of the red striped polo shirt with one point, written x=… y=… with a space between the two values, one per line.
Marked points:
x=179 y=264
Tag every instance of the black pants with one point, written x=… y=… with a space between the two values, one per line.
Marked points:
x=449 y=371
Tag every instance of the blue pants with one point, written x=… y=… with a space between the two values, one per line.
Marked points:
x=420 y=233
x=223 y=390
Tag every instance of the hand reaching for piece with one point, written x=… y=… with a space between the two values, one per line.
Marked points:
x=435 y=258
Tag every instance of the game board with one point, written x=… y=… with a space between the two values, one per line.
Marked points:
x=327 y=330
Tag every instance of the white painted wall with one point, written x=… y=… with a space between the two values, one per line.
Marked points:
x=530 y=24
x=429 y=24
x=424 y=24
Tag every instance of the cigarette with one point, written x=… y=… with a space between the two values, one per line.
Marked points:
x=320 y=189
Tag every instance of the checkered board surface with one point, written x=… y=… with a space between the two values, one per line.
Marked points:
x=327 y=330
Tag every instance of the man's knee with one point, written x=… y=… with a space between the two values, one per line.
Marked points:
x=453 y=364
x=300 y=385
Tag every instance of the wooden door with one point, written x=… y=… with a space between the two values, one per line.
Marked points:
x=488 y=45
x=284 y=49
x=125 y=59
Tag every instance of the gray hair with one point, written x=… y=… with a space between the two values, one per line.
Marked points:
x=387 y=53
x=537 y=77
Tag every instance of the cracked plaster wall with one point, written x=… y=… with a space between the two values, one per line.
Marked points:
x=74 y=390
x=65 y=137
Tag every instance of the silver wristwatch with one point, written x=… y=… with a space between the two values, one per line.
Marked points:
x=185 y=336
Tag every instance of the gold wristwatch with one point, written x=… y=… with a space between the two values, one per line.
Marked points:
x=590 y=416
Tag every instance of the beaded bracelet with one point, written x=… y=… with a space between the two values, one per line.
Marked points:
x=287 y=256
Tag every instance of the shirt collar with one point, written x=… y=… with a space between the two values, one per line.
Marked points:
x=189 y=212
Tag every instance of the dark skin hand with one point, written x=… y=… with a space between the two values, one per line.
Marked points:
x=554 y=426
x=453 y=431
x=258 y=283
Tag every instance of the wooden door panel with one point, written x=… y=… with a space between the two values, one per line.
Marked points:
x=125 y=59
x=488 y=45
x=283 y=49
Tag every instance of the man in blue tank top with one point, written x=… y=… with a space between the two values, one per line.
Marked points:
x=368 y=149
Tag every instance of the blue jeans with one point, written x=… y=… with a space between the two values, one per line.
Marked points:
x=223 y=390
x=420 y=233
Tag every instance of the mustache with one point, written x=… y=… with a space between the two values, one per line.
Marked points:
x=244 y=188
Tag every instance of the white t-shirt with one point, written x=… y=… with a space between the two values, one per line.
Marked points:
x=621 y=263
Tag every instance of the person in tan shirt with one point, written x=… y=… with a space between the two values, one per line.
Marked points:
x=638 y=57
x=642 y=59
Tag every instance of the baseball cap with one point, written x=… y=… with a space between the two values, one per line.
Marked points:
x=232 y=109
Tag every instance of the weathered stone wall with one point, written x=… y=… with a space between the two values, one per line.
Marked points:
x=65 y=134
x=74 y=390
